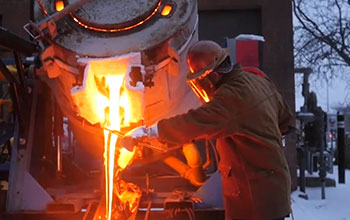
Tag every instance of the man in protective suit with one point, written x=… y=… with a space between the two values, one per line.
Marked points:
x=246 y=114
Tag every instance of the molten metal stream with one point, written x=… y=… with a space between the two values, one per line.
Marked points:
x=127 y=193
x=112 y=123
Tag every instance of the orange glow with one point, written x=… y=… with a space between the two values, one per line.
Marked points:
x=117 y=158
x=166 y=10
x=59 y=5
x=125 y=103
x=107 y=98
x=112 y=30
x=125 y=157
x=200 y=93
x=110 y=139
x=191 y=69
x=128 y=192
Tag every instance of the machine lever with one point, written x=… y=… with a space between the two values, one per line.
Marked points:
x=118 y=133
x=50 y=21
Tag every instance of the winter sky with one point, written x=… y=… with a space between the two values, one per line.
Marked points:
x=338 y=92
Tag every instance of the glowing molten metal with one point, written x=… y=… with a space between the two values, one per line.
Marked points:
x=127 y=194
x=105 y=98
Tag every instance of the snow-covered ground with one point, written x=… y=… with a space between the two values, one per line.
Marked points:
x=336 y=206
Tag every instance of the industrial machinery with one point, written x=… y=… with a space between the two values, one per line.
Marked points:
x=97 y=69
x=314 y=154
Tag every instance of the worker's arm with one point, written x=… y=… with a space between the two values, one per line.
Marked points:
x=212 y=120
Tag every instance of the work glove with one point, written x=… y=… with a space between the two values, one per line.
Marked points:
x=137 y=135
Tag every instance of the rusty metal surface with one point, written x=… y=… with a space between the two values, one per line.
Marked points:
x=116 y=12
x=146 y=36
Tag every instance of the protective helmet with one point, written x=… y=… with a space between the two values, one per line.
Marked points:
x=205 y=60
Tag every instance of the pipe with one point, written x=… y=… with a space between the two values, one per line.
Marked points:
x=20 y=73
x=59 y=133
x=192 y=155
x=61 y=14
x=148 y=210
x=177 y=165
x=59 y=154
x=207 y=153
x=193 y=172
x=15 y=96
x=194 y=161
x=341 y=148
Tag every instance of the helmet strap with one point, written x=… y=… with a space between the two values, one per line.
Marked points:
x=225 y=67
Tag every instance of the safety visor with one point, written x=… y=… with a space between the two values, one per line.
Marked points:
x=203 y=86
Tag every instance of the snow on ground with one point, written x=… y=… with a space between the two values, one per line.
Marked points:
x=336 y=206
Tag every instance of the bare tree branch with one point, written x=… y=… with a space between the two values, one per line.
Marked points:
x=322 y=34
x=341 y=30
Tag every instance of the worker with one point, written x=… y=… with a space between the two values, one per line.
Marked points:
x=246 y=114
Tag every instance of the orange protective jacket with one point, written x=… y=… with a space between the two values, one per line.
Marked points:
x=246 y=116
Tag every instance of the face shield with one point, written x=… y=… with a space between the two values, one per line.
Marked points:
x=204 y=86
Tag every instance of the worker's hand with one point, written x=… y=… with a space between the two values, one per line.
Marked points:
x=136 y=135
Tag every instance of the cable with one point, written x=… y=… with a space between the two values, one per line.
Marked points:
x=216 y=155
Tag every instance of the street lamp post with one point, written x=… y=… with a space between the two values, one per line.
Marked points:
x=328 y=93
